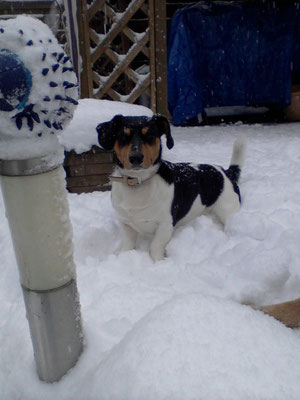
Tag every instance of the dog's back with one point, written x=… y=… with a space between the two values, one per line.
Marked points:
x=200 y=188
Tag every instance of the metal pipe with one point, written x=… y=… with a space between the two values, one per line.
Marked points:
x=55 y=327
x=39 y=93
x=37 y=210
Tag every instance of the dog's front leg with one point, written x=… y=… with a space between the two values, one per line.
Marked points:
x=129 y=238
x=161 y=238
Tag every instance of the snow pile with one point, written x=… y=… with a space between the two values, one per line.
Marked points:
x=81 y=134
x=38 y=88
x=200 y=345
x=177 y=329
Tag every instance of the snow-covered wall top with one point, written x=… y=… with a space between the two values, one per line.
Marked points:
x=38 y=89
x=81 y=135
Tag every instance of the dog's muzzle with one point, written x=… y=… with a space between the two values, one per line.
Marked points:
x=136 y=157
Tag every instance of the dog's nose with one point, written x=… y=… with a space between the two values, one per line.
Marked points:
x=136 y=159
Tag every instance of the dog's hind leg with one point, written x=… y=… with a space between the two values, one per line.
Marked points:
x=228 y=203
x=129 y=238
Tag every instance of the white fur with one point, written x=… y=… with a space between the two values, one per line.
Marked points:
x=239 y=152
x=146 y=208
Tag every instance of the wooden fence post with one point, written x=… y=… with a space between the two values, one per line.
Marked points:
x=159 y=53
x=85 y=76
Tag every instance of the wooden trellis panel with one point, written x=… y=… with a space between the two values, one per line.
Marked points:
x=123 y=51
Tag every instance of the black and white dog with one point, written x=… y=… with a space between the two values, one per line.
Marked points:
x=154 y=196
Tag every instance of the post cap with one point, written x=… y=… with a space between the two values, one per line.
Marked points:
x=38 y=88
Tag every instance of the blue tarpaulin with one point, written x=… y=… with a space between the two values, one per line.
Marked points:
x=231 y=54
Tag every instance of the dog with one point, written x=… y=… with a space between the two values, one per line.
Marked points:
x=154 y=196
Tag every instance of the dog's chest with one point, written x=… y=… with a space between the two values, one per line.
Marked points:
x=145 y=206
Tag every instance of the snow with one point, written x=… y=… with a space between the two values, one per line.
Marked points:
x=81 y=133
x=50 y=85
x=176 y=329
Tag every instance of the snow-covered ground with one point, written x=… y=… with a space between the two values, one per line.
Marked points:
x=176 y=329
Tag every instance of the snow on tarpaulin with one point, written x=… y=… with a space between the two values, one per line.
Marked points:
x=177 y=329
x=235 y=54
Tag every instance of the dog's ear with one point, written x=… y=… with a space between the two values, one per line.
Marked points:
x=107 y=132
x=164 y=128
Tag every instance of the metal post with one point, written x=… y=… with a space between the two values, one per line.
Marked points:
x=38 y=95
x=37 y=211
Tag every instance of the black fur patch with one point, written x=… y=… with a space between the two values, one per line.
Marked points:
x=189 y=182
x=233 y=173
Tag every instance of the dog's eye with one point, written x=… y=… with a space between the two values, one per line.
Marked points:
x=123 y=139
x=149 y=139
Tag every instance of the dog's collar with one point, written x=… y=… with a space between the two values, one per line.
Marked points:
x=133 y=181
x=127 y=180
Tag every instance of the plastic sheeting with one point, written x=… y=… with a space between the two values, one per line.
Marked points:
x=231 y=54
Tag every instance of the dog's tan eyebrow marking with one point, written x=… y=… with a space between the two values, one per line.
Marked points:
x=150 y=153
x=145 y=130
x=127 y=131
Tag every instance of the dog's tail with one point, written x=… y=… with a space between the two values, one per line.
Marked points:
x=237 y=159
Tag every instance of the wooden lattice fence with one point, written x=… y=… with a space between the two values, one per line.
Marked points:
x=123 y=51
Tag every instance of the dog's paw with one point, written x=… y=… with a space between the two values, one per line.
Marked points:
x=157 y=254
x=117 y=252
x=123 y=249
x=127 y=244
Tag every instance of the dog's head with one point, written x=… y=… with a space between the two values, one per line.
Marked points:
x=136 y=140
